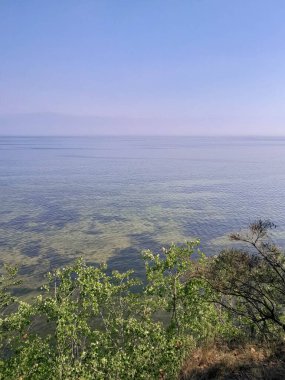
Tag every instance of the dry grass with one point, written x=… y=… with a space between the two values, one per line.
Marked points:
x=249 y=362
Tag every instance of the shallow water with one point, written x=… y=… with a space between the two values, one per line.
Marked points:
x=107 y=198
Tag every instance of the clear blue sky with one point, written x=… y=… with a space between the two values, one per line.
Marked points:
x=142 y=66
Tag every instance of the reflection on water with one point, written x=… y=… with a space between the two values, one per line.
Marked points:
x=107 y=198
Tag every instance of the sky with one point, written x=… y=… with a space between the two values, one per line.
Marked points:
x=185 y=67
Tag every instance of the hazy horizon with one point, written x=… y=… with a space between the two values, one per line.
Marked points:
x=53 y=124
x=197 y=68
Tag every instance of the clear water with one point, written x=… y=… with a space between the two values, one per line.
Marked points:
x=107 y=198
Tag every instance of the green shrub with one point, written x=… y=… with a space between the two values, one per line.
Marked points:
x=88 y=324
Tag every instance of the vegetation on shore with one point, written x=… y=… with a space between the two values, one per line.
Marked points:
x=88 y=324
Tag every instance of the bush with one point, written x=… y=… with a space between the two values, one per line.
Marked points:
x=250 y=281
x=88 y=324
x=95 y=326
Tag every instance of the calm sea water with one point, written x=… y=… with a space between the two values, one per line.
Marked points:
x=107 y=198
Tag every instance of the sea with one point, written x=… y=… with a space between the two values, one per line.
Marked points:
x=107 y=198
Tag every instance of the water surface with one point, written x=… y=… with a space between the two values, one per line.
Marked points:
x=107 y=198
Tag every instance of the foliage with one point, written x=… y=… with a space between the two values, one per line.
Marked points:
x=7 y=300
x=7 y=280
x=88 y=324
x=176 y=287
x=91 y=325
x=250 y=281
